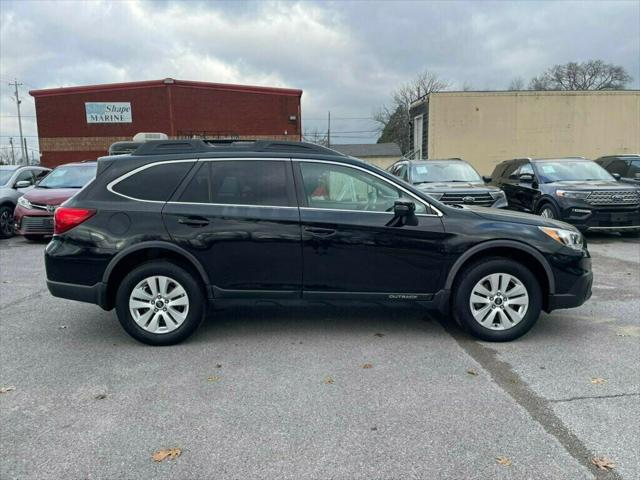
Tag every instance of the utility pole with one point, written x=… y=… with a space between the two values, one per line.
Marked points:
x=26 y=150
x=18 y=102
x=329 y=130
x=13 y=155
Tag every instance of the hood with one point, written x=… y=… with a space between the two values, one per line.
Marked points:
x=499 y=215
x=50 y=196
x=592 y=185
x=455 y=187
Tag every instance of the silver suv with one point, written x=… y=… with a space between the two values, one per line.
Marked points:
x=15 y=181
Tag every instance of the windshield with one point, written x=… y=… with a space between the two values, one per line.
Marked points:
x=69 y=177
x=5 y=175
x=571 y=170
x=444 y=172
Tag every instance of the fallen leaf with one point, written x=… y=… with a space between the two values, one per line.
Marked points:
x=62 y=327
x=218 y=366
x=374 y=429
x=328 y=381
x=603 y=463
x=165 y=453
x=598 y=381
x=503 y=461
x=100 y=396
x=367 y=365
x=472 y=372
x=7 y=389
x=214 y=378
x=378 y=334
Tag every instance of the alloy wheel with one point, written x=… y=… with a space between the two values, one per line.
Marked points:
x=159 y=304
x=6 y=222
x=499 y=301
x=547 y=213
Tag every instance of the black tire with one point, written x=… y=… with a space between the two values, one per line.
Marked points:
x=475 y=272
x=551 y=209
x=6 y=221
x=34 y=238
x=185 y=278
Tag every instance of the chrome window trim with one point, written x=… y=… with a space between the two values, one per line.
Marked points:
x=113 y=183
x=424 y=202
x=235 y=205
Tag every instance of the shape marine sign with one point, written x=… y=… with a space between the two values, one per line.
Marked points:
x=108 y=112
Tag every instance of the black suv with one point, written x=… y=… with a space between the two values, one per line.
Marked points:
x=179 y=225
x=574 y=190
x=624 y=167
x=452 y=181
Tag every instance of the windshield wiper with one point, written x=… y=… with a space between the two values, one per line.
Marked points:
x=423 y=181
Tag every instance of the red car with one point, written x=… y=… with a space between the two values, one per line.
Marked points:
x=33 y=215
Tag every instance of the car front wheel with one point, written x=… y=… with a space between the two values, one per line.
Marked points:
x=6 y=221
x=160 y=303
x=549 y=211
x=497 y=299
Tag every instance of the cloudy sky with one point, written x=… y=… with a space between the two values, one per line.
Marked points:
x=347 y=56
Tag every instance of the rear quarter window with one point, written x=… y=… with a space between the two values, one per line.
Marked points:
x=156 y=183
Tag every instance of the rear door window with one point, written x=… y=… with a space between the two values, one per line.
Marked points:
x=154 y=183
x=265 y=183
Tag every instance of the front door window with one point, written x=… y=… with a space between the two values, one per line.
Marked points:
x=337 y=187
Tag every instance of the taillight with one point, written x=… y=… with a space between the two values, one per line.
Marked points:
x=67 y=218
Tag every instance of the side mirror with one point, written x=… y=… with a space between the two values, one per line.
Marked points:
x=616 y=176
x=22 y=184
x=486 y=179
x=526 y=178
x=403 y=208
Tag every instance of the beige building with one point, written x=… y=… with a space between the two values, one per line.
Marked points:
x=485 y=128
x=379 y=154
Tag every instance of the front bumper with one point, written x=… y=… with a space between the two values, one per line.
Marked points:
x=579 y=293
x=607 y=219
x=32 y=221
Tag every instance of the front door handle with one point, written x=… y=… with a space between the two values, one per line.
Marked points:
x=194 y=221
x=320 y=232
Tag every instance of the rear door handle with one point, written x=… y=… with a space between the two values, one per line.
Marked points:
x=194 y=221
x=320 y=232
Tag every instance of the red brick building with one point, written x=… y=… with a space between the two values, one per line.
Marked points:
x=79 y=123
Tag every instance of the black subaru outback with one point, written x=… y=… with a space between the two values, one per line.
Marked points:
x=573 y=190
x=175 y=226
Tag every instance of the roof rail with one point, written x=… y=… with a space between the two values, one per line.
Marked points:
x=160 y=147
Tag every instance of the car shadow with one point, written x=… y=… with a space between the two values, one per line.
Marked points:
x=242 y=322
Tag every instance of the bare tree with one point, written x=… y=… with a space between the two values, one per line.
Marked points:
x=590 y=75
x=316 y=136
x=517 y=84
x=394 y=118
x=467 y=87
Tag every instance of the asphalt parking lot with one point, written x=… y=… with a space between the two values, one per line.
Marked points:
x=319 y=392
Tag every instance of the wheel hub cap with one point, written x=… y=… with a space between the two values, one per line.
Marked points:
x=499 y=301
x=159 y=304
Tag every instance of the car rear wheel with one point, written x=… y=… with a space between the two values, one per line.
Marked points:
x=497 y=299
x=6 y=221
x=160 y=303
x=548 y=210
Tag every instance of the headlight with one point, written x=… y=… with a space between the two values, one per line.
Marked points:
x=568 y=238
x=572 y=194
x=498 y=194
x=435 y=195
x=23 y=202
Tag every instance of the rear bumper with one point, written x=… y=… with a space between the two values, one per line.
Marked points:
x=96 y=294
x=579 y=293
